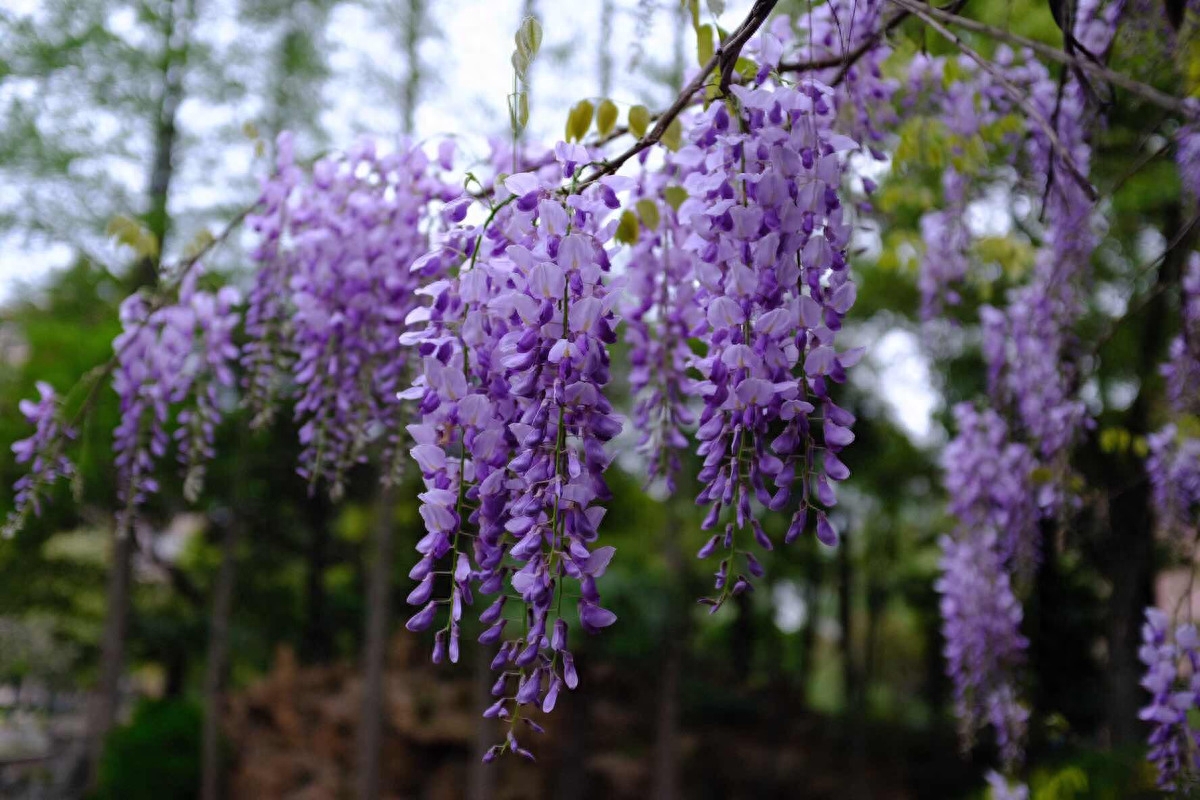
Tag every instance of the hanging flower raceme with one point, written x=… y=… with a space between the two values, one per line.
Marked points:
x=846 y=35
x=43 y=451
x=333 y=291
x=993 y=547
x=769 y=239
x=661 y=311
x=512 y=431
x=1174 y=741
x=177 y=357
x=1173 y=464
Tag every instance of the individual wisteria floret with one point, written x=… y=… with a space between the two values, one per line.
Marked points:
x=176 y=357
x=332 y=292
x=512 y=430
x=1174 y=691
x=43 y=451
x=769 y=235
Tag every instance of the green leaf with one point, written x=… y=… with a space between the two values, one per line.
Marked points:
x=647 y=209
x=518 y=111
x=704 y=44
x=639 y=120
x=579 y=120
x=675 y=195
x=627 y=228
x=716 y=7
x=520 y=63
x=694 y=7
x=606 y=117
x=134 y=235
x=673 y=135
x=529 y=37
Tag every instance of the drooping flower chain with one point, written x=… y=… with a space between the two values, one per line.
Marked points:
x=512 y=431
x=180 y=356
x=769 y=237
x=43 y=451
x=332 y=294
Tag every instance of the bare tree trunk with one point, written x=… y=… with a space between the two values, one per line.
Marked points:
x=316 y=643
x=176 y=33
x=217 y=665
x=1130 y=541
x=105 y=700
x=480 y=784
x=846 y=621
x=857 y=784
x=413 y=33
x=666 y=782
x=606 y=60
x=371 y=724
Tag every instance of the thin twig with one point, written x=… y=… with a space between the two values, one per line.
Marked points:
x=723 y=59
x=846 y=60
x=1013 y=92
x=1134 y=87
x=1175 y=242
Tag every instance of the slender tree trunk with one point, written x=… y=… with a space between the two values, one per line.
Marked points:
x=480 y=783
x=176 y=31
x=856 y=783
x=316 y=644
x=411 y=90
x=666 y=771
x=808 y=635
x=846 y=621
x=1130 y=545
x=104 y=703
x=371 y=724
x=605 y=60
x=217 y=665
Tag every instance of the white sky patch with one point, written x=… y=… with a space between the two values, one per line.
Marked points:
x=791 y=610
x=906 y=382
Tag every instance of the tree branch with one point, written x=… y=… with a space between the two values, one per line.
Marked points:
x=1064 y=155
x=723 y=60
x=1134 y=87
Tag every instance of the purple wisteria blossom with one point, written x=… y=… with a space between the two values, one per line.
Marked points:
x=175 y=357
x=1173 y=464
x=332 y=294
x=994 y=546
x=1174 y=742
x=512 y=431
x=43 y=451
x=661 y=311
x=769 y=235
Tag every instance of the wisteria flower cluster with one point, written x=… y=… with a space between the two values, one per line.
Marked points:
x=512 y=425
x=1173 y=680
x=770 y=236
x=993 y=550
x=43 y=452
x=331 y=294
x=177 y=357
x=1173 y=464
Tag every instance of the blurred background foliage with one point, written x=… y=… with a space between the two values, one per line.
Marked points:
x=825 y=682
